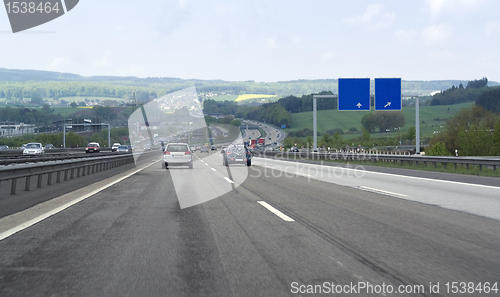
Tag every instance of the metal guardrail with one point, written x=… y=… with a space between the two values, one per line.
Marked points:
x=69 y=169
x=372 y=157
x=20 y=159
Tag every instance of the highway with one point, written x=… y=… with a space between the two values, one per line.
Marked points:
x=273 y=135
x=268 y=234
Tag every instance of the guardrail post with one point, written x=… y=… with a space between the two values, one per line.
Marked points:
x=13 y=186
x=494 y=168
x=83 y=171
x=66 y=175
x=444 y=165
x=480 y=167
x=455 y=166
x=49 y=178
x=39 y=183
x=467 y=166
x=435 y=164
x=27 y=185
x=58 y=179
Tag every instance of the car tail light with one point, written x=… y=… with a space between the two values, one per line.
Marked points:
x=187 y=153
x=166 y=153
x=228 y=153
x=232 y=159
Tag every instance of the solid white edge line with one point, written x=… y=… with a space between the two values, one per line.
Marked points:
x=42 y=217
x=228 y=180
x=276 y=212
x=382 y=191
x=213 y=169
x=397 y=175
x=64 y=6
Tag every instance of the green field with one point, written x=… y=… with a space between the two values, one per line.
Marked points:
x=331 y=119
x=64 y=111
x=223 y=97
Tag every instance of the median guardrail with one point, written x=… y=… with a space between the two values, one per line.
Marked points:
x=64 y=170
x=375 y=157
x=20 y=159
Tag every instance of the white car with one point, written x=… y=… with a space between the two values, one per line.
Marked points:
x=33 y=148
x=115 y=146
x=177 y=154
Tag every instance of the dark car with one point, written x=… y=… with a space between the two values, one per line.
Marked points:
x=49 y=146
x=237 y=154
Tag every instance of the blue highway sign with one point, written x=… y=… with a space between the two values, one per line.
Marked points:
x=388 y=94
x=354 y=94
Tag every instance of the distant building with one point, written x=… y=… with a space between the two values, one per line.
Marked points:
x=11 y=129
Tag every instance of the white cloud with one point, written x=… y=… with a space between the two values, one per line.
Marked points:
x=436 y=35
x=405 y=35
x=373 y=18
x=439 y=7
x=59 y=63
x=271 y=43
x=173 y=15
x=325 y=57
x=492 y=28
x=103 y=61
x=295 y=39
x=223 y=10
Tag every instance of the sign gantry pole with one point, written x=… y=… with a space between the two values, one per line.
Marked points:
x=417 y=121
x=315 y=118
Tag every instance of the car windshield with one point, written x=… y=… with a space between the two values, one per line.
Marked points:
x=33 y=145
x=92 y=145
x=123 y=147
x=177 y=148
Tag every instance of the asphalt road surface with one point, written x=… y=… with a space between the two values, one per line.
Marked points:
x=268 y=235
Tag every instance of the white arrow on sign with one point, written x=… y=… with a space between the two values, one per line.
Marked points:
x=388 y=104
x=358 y=105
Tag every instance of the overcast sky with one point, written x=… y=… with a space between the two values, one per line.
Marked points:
x=264 y=40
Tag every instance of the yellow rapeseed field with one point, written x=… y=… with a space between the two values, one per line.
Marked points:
x=252 y=96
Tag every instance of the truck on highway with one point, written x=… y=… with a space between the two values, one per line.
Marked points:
x=262 y=141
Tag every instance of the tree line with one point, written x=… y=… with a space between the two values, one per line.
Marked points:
x=56 y=90
x=472 y=131
x=460 y=94
x=383 y=120
x=490 y=100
